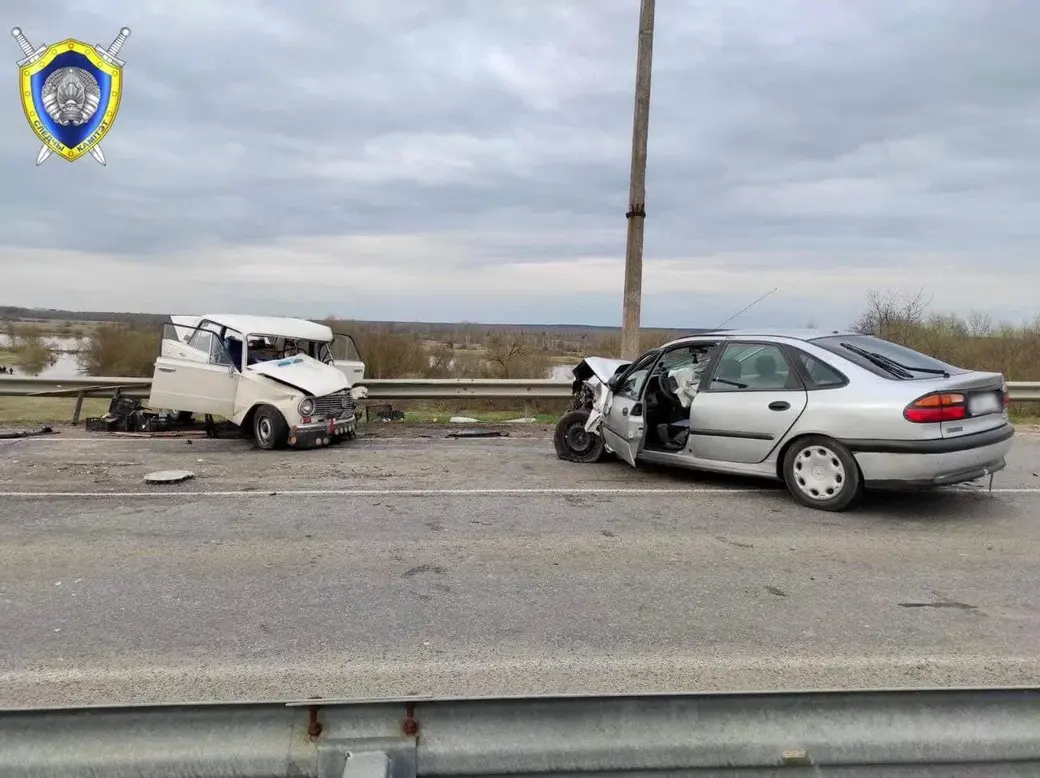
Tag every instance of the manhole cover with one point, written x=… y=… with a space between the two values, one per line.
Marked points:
x=168 y=476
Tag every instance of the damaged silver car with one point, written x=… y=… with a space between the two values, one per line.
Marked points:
x=829 y=414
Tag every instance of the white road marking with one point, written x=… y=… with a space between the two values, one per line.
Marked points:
x=447 y=492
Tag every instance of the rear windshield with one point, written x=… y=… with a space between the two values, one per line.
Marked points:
x=904 y=363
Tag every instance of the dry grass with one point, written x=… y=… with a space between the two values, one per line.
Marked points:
x=56 y=328
x=47 y=410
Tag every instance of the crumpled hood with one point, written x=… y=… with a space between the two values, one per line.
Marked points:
x=304 y=373
x=601 y=367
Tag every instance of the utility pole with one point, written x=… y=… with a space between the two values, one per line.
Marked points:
x=630 y=347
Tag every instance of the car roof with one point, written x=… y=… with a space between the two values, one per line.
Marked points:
x=767 y=333
x=282 y=326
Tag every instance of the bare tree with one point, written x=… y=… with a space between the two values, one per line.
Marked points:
x=893 y=315
x=512 y=355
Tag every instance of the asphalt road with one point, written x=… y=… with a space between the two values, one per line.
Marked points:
x=396 y=567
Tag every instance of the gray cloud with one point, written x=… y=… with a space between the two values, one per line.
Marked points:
x=814 y=146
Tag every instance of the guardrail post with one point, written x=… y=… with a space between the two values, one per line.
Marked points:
x=528 y=408
x=79 y=407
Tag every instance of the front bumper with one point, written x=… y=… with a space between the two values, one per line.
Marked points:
x=322 y=433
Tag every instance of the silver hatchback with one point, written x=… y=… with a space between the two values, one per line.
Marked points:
x=830 y=414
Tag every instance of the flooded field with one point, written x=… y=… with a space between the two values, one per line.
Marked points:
x=61 y=363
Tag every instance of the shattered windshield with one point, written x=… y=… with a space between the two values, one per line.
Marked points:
x=265 y=348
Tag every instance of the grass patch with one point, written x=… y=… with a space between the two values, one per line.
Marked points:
x=47 y=410
x=1029 y=414
x=8 y=357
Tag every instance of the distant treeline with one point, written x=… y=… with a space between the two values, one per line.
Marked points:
x=126 y=343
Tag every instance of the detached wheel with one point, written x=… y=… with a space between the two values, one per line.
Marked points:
x=820 y=473
x=270 y=429
x=573 y=443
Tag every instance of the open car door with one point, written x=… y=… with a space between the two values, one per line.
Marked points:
x=624 y=427
x=347 y=358
x=194 y=374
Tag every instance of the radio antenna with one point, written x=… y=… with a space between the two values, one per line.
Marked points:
x=747 y=308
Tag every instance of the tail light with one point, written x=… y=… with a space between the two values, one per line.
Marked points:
x=933 y=408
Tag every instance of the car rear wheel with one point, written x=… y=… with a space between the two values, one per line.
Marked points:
x=270 y=429
x=821 y=473
x=573 y=443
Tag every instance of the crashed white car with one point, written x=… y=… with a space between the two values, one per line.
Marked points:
x=276 y=378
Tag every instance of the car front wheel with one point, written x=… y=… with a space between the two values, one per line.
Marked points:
x=821 y=473
x=270 y=428
x=573 y=443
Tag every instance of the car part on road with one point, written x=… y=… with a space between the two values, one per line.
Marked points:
x=13 y=435
x=168 y=477
x=478 y=434
x=573 y=442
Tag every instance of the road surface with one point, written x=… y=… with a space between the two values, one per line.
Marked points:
x=402 y=566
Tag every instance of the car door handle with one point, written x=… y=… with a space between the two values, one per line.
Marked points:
x=167 y=370
x=779 y=405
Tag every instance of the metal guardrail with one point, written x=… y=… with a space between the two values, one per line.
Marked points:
x=378 y=388
x=524 y=389
x=811 y=733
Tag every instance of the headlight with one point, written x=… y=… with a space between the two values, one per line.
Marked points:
x=306 y=406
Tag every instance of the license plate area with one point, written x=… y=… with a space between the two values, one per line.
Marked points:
x=985 y=402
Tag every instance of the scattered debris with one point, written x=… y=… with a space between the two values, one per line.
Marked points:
x=778 y=592
x=14 y=434
x=462 y=420
x=525 y=420
x=168 y=476
x=962 y=606
x=477 y=434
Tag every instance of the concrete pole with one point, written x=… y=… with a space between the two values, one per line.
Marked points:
x=630 y=346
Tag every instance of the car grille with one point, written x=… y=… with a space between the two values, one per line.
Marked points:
x=334 y=405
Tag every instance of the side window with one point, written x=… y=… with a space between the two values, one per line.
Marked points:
x=344 y=347
x=632 y=385
x=753 y=366
x=823 y=375
x=201 y=340
x=209 y=344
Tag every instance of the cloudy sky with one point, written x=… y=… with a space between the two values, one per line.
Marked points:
x=468 y=160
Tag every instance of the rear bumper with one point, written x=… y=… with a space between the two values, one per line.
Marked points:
x=320 y=433
x=932 y=463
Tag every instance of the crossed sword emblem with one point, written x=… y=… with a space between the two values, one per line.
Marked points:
x=109 y=55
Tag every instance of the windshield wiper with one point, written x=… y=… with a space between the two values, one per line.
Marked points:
x=879 y=358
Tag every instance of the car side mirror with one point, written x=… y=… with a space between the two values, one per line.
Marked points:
x=612 y=382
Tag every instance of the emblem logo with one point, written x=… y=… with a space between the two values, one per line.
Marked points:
x=70 y=94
